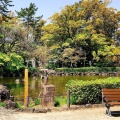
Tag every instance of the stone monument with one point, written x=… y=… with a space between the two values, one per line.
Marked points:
x=47 y=95
x=47 y=91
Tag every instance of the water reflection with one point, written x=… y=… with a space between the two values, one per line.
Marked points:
x=32 y=85
x=17 y=81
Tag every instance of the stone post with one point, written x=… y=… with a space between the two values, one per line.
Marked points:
x=47 y=96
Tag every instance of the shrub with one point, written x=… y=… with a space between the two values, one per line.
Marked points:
x=89 y=92
x=72 y=100
x=56 y=103
x=2 y=104
x=59 y=101
x=37 y=101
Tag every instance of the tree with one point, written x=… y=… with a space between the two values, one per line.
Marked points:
x=10 y=63
x=100 y=25
x=27 y=15
x=12 y=35
x=60 y=33
x=88 y=25
x=16 y=62
x=33 y=27
x=4 y=4
x=37 y=31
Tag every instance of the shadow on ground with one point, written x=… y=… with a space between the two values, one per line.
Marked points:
x=115 y=113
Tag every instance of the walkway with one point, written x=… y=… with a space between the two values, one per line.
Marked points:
x=82 y=114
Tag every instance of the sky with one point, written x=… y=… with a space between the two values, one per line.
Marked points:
x=48 y=7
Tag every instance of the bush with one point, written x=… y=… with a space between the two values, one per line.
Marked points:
x=72 y=100
x=89 y=69
x=89 y=92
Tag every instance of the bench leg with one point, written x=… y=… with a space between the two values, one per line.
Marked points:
x=108 y=110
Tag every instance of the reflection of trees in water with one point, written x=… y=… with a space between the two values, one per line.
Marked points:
x=32 y=85
x=17 y=91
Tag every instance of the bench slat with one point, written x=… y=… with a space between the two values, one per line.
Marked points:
x=106 y=90
x=114 y=103
x=112 y=98
x=111 y=93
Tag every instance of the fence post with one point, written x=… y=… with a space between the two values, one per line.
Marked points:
x=26 y=88
x=68 y=99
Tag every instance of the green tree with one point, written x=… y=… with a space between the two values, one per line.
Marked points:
x=15 y=64
x=37 y=31
x=42 y=54
x=60 y=33
x=4 y=4
x=10 y=63
x=12 y=35
x=33 y=27
x=27 y=15
x=100 y=25
x=88 y=27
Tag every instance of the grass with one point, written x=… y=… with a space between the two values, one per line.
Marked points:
x=19 y=105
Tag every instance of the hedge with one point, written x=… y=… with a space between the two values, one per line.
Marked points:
x=89 y=69
x=89 y=92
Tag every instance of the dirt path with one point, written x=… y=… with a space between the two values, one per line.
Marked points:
x=82 y=114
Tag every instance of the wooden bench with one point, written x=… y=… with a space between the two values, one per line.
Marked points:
x=111 y=97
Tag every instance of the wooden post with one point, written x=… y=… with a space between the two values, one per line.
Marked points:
x=68 y=99
x=26 y=88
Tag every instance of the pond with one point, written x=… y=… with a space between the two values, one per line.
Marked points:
x=17 y=90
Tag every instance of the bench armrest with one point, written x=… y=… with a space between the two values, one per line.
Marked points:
x=104 y=99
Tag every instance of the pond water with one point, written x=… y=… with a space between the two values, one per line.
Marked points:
x=17 y=90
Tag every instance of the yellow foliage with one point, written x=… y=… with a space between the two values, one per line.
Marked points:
x=99 y=22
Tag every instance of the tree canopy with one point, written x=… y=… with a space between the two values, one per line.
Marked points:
x=90 y=28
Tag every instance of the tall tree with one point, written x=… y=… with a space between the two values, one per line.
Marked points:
x=33 y=25
x=87 y=26
x=60 y=33
x=28 y=17
x=4 y=4
x=100 y=25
